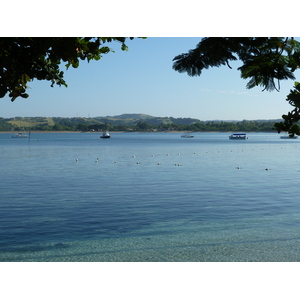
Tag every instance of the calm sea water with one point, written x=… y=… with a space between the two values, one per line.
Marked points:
x=149 y=197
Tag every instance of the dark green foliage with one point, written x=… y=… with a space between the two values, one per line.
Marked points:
x=264 y=59
x=290 y=120
x=25 y=59
x=5 y=126
x=143 y=126
x=210 y=52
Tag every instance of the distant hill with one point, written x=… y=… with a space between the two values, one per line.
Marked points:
x=61 y=123
x=129 y=122
x=133 y=119
x=131 y=116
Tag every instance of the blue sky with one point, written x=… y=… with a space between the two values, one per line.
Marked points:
x=141 y=80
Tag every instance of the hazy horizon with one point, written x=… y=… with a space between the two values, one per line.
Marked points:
x=138 y=114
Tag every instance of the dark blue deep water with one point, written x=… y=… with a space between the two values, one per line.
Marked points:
x=149 y=197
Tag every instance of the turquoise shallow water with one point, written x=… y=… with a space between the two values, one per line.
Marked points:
x=149 y=197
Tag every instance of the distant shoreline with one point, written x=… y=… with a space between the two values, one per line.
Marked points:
x=136 y=123
x=100 y=132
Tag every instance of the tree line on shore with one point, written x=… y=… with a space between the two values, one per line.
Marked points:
x=151 y=124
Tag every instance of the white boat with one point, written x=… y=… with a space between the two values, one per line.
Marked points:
x=105 y=135
x=289 y=137
x=238 y=136
x=20 y=135
x=187 y=136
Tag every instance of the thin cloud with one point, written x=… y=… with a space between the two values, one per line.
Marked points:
x=232 y=92
x=238 y=93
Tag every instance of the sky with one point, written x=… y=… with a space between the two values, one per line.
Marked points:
x=141 y=80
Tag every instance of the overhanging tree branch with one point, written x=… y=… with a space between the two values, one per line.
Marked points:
x=264 y=60
x=25 y=59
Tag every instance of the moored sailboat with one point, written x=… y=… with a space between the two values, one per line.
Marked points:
x=105 y=135
x=20 y=135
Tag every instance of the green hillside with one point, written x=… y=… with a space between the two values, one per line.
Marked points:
x=130 y=122
x=132 y=117
x=31 y=122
